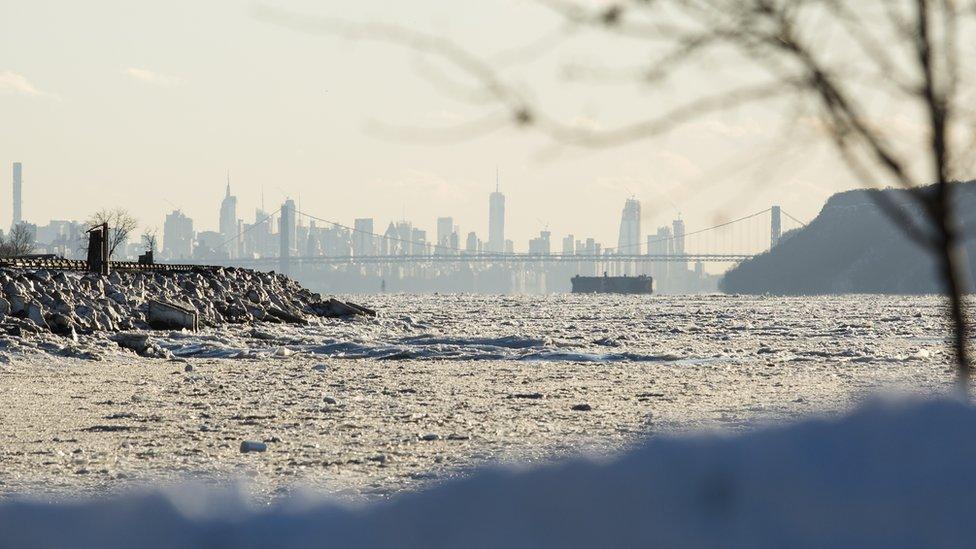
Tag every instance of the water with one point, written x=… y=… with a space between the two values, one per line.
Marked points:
x=597 y=329
x=437 y=384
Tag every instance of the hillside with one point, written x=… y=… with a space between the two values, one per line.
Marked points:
x=851 y=247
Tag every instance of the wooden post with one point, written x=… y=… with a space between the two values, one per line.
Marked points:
x=98 y=251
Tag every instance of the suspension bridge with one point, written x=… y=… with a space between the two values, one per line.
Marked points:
x=728 y=242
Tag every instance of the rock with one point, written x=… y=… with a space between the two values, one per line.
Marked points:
x=329 y=400
x=12 y=288
x=530 y=396
x=134 y=341
x=289 y=316
x=282 y=352
x=320 y=367
x=18 y=304
x=35 y=313
x=581 y=408
x=253 y=446
x=4 y=307
x=60 y=324
x=430 y=437
x=333 y=308
x=188 y=368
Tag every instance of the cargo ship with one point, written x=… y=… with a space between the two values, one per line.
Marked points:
x=642 y=284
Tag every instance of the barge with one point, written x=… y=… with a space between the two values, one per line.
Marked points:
x=642 y=284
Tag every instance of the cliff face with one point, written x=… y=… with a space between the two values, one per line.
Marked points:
x=852 y=247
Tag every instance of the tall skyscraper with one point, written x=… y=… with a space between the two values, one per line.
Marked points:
x=363 y=242
x=679 y=236
x=445 y=228
x=471 y=244
x=177 y=236
x=228 y=223
x=18 y=196
x=259 y=238
x=679 y=270
x=288 y=230
x=628 y=243
x=496 y=221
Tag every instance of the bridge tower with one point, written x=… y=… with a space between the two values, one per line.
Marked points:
x=288 y=235
x=775 y=226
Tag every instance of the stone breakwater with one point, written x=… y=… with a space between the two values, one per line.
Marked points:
x=68 y=304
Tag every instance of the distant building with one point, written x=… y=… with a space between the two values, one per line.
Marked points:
x=679 y=236
x=472 y=245
x=177 y=236
x=509 y=247
x=288 y=230
x=661 y=244
x=569 y=245
x=404 y=234
x=55 y=230
x=228 y=223
x=390 y=243
x=418 y=242
x=496 y=221
x=18 y=202
x=259 y=240
x=628 y=243
x=209 y=246
x=336 y=241
x=541 y=244
x=363 y=241
x=445 y=230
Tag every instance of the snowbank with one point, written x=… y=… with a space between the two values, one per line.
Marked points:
x=884 y=476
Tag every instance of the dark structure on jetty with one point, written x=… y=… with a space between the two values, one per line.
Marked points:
x=612 y=284
x=98 y=260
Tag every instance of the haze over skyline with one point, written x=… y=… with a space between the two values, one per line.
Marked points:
x=147 y=107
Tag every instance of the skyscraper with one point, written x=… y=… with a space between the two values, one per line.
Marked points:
x=569 y=245
x=228 y=222
x=288 y=229
x=445 y=228
x=496 y=221
x=363 y=243
x=679 y=236
x=177 y=236
x=18 y=197
x=679 y=270
x=661 y=245
x=628 y=243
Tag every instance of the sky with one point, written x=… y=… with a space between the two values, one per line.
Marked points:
x=149 y=106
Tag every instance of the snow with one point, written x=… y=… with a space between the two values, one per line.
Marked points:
x=890 y=474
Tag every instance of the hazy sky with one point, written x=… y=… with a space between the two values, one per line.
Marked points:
x=147 y=105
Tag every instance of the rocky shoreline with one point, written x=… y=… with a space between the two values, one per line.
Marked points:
x=56 y=310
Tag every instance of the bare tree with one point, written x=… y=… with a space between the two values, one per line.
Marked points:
x=845 y=65
x=120 y=226
x=149 y=237
x=19 y=242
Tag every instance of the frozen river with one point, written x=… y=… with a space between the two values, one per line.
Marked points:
x=679 y=330
x=439 y=383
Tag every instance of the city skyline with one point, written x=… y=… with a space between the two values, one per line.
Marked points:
x=306 y=128
x=228 y=235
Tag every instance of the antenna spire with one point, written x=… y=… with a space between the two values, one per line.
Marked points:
x=228 y=183
x=496 y=179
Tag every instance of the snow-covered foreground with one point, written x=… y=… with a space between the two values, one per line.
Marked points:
x=887 y=475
